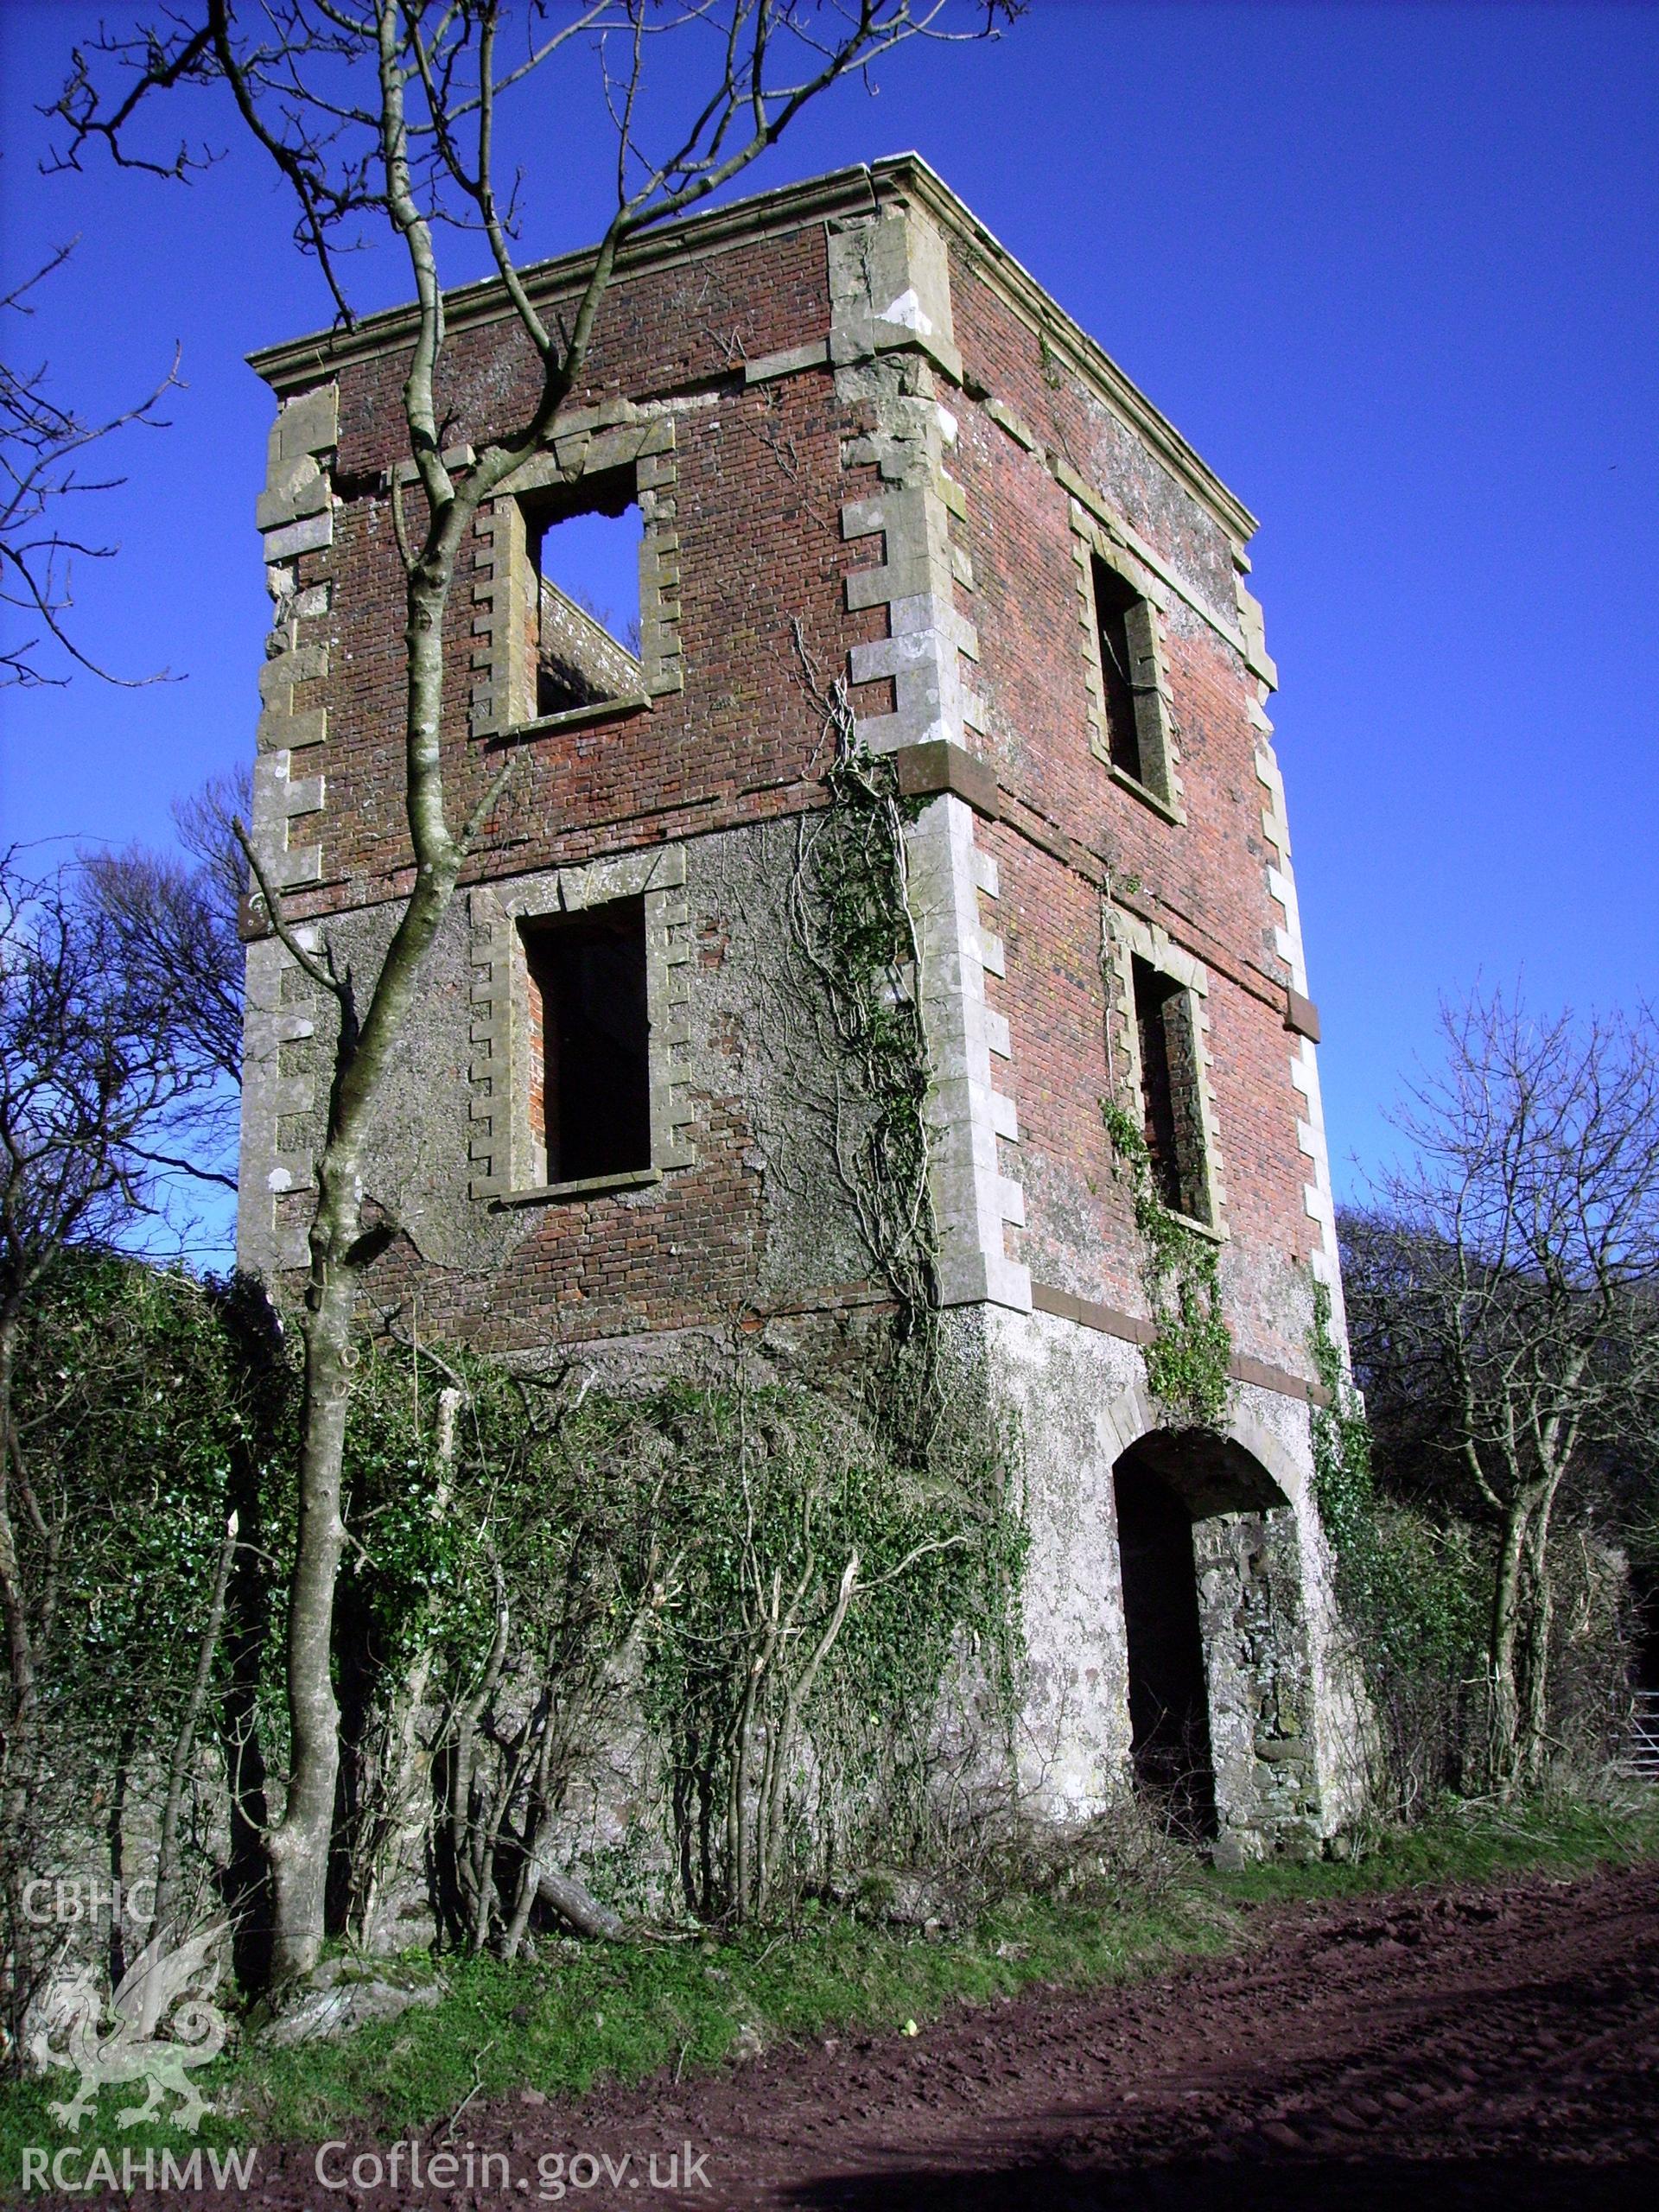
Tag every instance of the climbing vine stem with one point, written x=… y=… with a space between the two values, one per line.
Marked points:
x=851 y=924
x=1189 y=1358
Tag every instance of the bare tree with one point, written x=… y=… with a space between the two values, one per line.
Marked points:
x=177 y=921
x=94 y=1064
x=1507 y=1285
x=43 y=449
x=384 y=113
x=175 y=925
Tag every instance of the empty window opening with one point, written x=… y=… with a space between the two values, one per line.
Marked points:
x=1172 y=1109
x=585 y=603
x=590 y=1039
x=1169 y=1707
x=1115 y=600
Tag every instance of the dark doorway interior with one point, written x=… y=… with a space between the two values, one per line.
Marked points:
x=590 y=1095
x=1169 y=1715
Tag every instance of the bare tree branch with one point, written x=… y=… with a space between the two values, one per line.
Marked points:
x=41 y=443
x=1504 y=1297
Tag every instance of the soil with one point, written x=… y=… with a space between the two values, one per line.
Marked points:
x=1475 y=2047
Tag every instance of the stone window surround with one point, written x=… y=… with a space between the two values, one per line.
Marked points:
x=504 y=1149
x=599 y=441
x=1155 y=718
x=1127 y=938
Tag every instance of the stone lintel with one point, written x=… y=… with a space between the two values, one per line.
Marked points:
x=813 y=355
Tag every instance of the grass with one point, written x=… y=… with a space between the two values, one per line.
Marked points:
x=1468 y=1840
x=577 y=2013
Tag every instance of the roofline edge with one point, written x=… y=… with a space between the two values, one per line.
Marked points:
x=859 y=188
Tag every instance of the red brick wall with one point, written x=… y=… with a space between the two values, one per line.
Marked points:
x=1204 y=880
x=679 y=1253
x=759 y=493
x=758 y=502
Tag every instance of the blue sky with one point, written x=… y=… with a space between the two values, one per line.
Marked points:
x=1390 y=268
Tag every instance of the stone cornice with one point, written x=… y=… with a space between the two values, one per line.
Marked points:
x=1091 y=361
x=692 y=238
x=841 y=193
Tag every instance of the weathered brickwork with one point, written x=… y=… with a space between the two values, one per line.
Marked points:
x=865 y=449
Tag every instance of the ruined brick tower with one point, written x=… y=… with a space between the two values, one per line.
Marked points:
x=844 y=406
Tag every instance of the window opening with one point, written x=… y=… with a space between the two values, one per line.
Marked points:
x=589 y=1041
x=586 y=613
x=1115 y=599
x=1171 y=1107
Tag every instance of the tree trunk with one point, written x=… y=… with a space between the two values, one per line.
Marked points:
x=1532 y=1744
x=247 y=1634
x=1522 y=1619
x=299 y=1847
x=787 y=1728
x=1504 y=1719
x=299 y=1843
x=404 y=1813
x=573 y=1902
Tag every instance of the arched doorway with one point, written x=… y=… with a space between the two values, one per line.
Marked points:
x=1212 y=1620
x=1169 y=1713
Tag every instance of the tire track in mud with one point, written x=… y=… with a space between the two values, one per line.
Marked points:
x=1484 y=2047
x=1481 y=2046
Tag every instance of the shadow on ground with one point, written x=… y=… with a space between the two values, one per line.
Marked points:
x=1311 y=2186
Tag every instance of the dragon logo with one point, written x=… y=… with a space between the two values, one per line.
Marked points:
x=118 y=2041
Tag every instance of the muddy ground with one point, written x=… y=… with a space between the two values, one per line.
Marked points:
x=1483 y=2047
